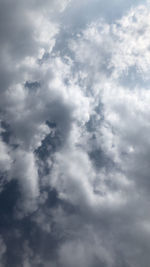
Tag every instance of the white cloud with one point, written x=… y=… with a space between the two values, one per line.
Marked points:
x=5 y=157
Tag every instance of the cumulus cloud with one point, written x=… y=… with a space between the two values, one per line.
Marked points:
x=74 y=136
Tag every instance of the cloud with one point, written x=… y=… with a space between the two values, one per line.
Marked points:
x=5 y=158
x=122 y=135
x=3 y=251
x=74 y=136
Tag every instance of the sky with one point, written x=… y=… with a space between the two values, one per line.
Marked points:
x=74 y=133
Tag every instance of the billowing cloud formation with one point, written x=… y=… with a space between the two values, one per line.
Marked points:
x=74 y=161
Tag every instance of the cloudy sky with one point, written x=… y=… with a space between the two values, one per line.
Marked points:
x=74 y=133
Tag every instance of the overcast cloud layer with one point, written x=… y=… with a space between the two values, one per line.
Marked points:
x=74 y=133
